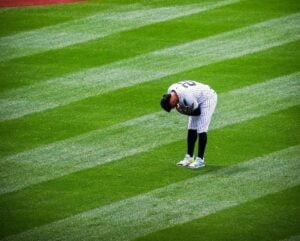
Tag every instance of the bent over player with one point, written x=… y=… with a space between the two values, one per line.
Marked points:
x=198 y=101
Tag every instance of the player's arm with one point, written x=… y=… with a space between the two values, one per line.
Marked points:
x=188 y=111
x=189 y=106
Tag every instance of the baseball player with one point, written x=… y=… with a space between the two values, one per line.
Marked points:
x=198 y=101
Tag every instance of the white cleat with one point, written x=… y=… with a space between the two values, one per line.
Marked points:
x=186 y=161
x=197 y=164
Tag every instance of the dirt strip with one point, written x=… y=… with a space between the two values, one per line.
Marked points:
x=23 y=3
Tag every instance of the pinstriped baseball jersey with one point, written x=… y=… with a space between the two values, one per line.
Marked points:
x=191 y=93
x=194 y=94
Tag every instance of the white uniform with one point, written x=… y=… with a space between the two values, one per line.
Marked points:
x=193 y=95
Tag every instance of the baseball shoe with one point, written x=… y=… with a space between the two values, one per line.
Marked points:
x=186 y=161
x=197 y=164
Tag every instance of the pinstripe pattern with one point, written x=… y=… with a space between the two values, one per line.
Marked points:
x=201 y=123
x=192 y=94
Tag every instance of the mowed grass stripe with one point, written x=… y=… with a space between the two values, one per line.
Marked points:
x=179 y=202
x=64 y=90
x=125 y=139
x=96 y=26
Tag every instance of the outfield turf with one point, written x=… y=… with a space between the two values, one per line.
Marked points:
x=86 y=153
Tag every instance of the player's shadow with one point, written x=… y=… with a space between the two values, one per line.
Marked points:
x=209 y=168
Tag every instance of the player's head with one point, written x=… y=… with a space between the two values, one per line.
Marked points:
x=165 y=102
x=169 y=101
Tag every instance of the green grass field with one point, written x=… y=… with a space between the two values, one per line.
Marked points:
x=88 y=154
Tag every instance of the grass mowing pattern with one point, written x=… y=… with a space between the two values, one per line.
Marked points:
x=26 y=133
x=97 y=147
x=82 y=191
x=95 y=27
x=190 y=199
x=157 y=64
x=275 y=222
x=86 y=190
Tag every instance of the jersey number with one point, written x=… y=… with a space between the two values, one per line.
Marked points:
x=186 y=84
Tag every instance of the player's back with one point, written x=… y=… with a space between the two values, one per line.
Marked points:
x=189 y=87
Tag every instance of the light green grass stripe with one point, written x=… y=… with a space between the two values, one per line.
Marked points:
x=94 y=27
x=177 y=203
x=293 y=238
x=73 y=87
x=125 y=139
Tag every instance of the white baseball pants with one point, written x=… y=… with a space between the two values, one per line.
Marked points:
x=201 y=123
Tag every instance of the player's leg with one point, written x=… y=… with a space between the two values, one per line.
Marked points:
x=192 y=134
x=191 y=140
x=207 y=110
x=202 y=144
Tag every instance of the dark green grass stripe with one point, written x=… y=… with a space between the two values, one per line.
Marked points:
x=141 y=173
x=104 y=110
x=14 y=20
x=274 y=217
x=125 y=45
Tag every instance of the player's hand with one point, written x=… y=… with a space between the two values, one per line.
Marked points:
x=179 y=108
x=188 y=110
x=185 y=110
